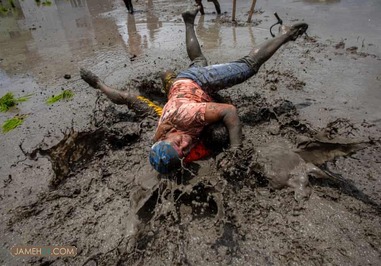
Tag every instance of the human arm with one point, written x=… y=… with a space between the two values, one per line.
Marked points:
x=116 y=96
x=135 y=102
x=215 y=112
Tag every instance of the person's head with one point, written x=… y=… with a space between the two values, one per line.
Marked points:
x=215 y=137
x=167 y=78
x=164 y=157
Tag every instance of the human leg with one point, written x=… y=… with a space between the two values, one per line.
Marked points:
x=199 y=4
x=265 y=51
x=193 y=46
x=216 y=5
x=129 y=6
x=193 y=49
x=216 y=77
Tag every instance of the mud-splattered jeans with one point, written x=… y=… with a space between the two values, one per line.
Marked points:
x=221 y=76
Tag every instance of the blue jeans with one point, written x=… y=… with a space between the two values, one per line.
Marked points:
x=221 y=76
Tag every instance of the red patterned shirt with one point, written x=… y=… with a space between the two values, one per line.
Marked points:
x=185 y=110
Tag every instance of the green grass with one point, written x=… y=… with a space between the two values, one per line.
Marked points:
x=3 y=10
x=12 y=123
x=65 y=95
x=9 y=100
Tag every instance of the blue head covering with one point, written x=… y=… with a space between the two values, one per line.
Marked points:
x=163 y=157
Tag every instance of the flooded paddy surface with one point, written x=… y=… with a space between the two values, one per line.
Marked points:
x=76 y=172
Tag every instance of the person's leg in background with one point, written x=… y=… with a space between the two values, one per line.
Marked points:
x=200 y=6
x=216 y=5
x=129 y=6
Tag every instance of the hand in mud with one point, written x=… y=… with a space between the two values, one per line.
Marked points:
x=227 y=159
x=89 y=77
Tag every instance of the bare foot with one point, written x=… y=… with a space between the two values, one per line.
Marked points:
x=189 y=16
x=294 y=31
x=90 y=78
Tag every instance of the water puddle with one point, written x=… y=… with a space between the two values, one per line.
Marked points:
x=121 y=212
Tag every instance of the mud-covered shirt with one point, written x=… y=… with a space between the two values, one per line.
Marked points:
x=185 y=110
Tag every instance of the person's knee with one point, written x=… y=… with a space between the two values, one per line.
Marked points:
x=253 y=62
x=200 y=61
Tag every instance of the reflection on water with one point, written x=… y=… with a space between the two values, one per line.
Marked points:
x=210 y=36
x=54 y=37
x=153 y=22
x=32 y=33
x=213 y=34
x=134 y=38
x=49 y=38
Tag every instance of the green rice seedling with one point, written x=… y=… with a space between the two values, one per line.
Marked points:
x=9 y=100
x=65 y=95
x=3 y=10
x=12 y=123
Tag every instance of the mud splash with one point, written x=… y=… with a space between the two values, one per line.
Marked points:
x=116 y=211
x=204 y=207
x=76 y=149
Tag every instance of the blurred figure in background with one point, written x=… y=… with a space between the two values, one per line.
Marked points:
x=215 y=2
x=129 y=6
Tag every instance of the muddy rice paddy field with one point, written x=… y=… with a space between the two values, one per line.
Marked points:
x=76 y=172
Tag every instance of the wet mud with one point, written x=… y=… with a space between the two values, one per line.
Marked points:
x=300 y=191
x=261 y=201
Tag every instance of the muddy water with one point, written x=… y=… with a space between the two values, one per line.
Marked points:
x=115 y=209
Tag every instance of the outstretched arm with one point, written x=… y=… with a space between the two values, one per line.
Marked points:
x=228 y=114
x=116 y=96
x=132 y=100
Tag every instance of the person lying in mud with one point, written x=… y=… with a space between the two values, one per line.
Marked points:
x=190 y=107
